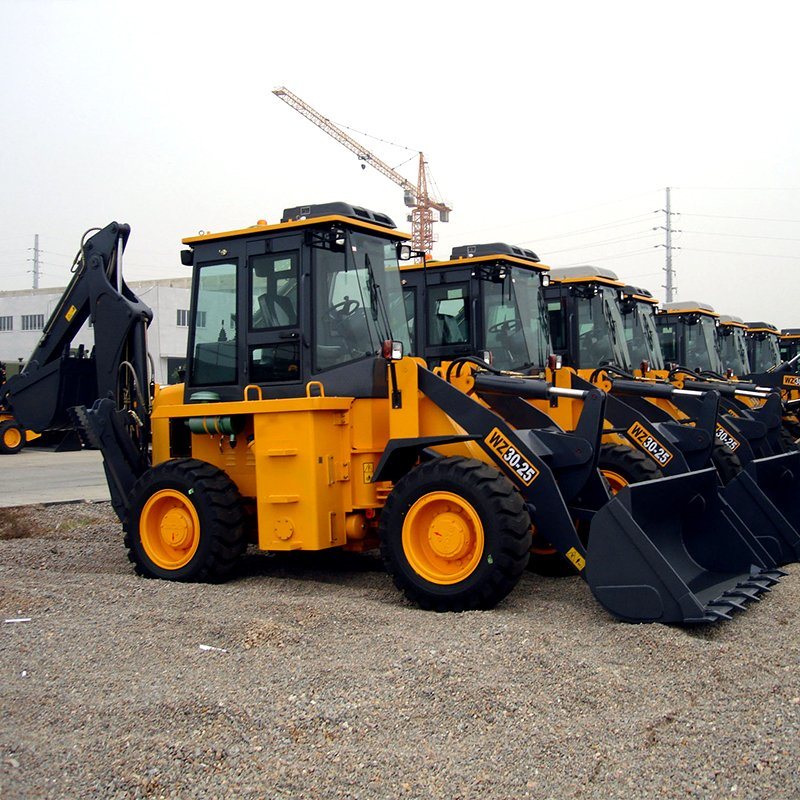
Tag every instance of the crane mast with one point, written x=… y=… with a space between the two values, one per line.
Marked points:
x=422 y=205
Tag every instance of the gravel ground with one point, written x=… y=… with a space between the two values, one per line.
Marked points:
x=328 y=685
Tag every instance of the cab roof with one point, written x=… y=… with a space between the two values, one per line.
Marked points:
x=688 y=307
x=307 y=216
x=483 y=254
x=790 y=333
x=639 y=294
x=761 y=327
x=728 y=319
x=585 y=274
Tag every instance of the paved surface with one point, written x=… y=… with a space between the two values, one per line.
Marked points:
x=40 y=475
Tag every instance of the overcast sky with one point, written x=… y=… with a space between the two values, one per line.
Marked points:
x=553 y=125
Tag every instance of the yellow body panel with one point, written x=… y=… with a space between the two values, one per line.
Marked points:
x=306 y=463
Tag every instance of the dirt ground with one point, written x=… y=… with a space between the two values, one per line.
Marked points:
x=312 y=678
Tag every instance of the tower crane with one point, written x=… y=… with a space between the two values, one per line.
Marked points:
x=417 y=198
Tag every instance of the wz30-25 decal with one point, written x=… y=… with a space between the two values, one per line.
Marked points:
x=726 y=439
x=645 y=440
x=519 y=465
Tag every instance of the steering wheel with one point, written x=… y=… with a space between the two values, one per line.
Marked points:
x=508 y=327
x=344 y=309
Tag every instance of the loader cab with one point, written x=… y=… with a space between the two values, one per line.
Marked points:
x=485 y=301
x=789 y=343
x=688 y=335
x=584 y=317
x=312 y=298
x=638 y=309
x=733 y=345
x=762 y=346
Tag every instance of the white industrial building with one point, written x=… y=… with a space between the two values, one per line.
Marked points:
x=24 y=312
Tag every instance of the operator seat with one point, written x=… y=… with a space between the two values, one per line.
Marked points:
x=277 y=310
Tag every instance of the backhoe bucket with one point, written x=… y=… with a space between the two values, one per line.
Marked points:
x=765 y=495
x=672 y=551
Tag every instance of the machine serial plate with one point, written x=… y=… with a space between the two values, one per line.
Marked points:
x=725 y=438
x=643 y=439
x=520 y=466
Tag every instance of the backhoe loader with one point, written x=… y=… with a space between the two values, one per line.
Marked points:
x=302 y=426
x=483 y=312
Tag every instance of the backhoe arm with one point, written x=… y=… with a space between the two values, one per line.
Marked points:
x=53 y=380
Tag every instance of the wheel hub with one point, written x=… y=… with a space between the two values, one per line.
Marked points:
x=449 y=535
x=443 y=537
x=176 y=528
x=12 y=437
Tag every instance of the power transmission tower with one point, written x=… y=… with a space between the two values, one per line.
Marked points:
x=36 y=261
x=669 y=287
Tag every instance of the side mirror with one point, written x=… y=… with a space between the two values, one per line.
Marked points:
x=405 y=253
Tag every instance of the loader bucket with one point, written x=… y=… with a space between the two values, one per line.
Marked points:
x=672 y=551
x=765 y=495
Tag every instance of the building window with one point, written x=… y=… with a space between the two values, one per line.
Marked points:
x=183 y=318
x=32 y=322
x=6 y=323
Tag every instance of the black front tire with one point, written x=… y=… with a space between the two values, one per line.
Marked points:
x=726 y=462
x=505 y=527
x=788 y=441
x=203 y=504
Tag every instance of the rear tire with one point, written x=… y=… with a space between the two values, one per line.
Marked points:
x=12 y=437
x=185 y=522
x=619 y=465
x=455 y=535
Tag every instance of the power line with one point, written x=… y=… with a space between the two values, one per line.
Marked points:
x=740 y=253
x=565 y=213
x=612 y=258
x=579 y=231
x=604 y=241
x=742 y=188
x=743 y=236
x=748 y=219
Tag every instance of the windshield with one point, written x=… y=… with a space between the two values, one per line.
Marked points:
x=733 y=350
x=515 y=326
x=700 y=345
x=358 y=298
x=789 y=349
x=601 y=331
x=640 y=335
x=764 y=352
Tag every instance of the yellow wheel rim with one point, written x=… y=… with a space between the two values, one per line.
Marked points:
x=615 y=480
x=12 y=437
x=443 y=538
x=169 y=529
